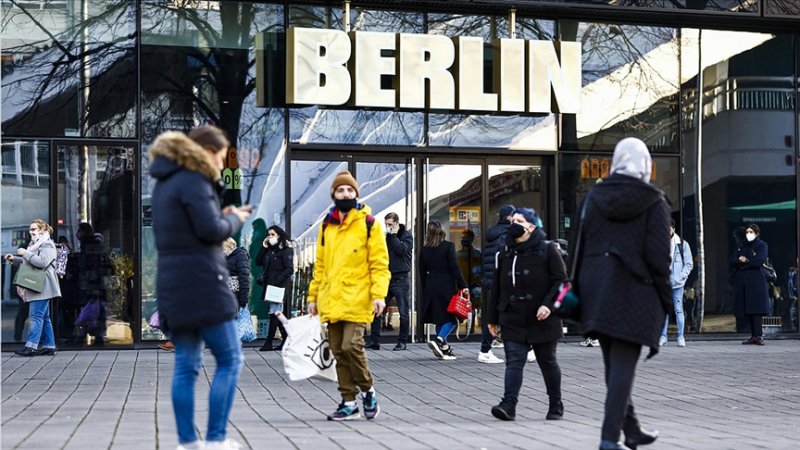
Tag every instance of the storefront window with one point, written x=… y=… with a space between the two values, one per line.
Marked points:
x=737 y=6
x=744 y=162
x=782 y=7
x=69 y=68
x=26 y=189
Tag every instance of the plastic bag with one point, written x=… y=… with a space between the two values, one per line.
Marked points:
x=245 y=325
x=89 y=316
x=306 y=352
x=155 y=320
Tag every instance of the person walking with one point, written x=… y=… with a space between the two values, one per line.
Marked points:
x=40 y=254
x=195 y=305
x=525 y=285
x=495 y=242
x=351 y=278
x=277 y=258
x=623 y=281
x=441 y=279
x=750 y=288
x=400 y=244
x=679 y=271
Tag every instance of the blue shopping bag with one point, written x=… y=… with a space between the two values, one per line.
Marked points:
x=245 y=325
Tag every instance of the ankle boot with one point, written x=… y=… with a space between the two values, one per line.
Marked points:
x=556 y=410
x=639 y=436
x=506 y=410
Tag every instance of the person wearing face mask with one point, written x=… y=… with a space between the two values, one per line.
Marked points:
x=351 y=279
x=526 y=282
x=750 y=288
x=622 y=280
x=679 y=272
x=277 y=258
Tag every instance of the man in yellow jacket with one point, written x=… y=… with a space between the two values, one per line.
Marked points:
x=351 y=278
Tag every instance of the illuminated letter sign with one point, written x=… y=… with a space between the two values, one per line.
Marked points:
x=328 y=67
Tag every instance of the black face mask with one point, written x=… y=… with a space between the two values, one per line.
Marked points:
x=345 y=205
x=515 y=230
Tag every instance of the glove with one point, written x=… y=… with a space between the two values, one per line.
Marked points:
x=243 y=303
x=260 y=279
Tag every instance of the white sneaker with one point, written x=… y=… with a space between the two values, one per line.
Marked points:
x=196 y=445
x=227 y=444
x=681 y=341
x=489 y=358
x=589 y=342
x=531 y=356
x=497 y=343
x=662 y=341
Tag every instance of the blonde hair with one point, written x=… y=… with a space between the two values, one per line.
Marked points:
x=42 y=225
x=229 y=245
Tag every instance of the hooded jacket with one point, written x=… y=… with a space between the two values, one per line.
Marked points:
x=238 y=263
x=624 y=262
x=350 y=271
x=189 y=228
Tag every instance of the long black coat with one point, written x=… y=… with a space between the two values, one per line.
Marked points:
x=623 y=270
x=538 y=269
x=278 y=263
x=750 y=288
x=238 y=263
x=189 y=228
x=440 y=278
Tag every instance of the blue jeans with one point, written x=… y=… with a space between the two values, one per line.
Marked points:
x=677 y=305
x=444 y=330
x=223 y=340
x=41 y=327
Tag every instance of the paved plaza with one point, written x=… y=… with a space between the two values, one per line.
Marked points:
x=709 y=395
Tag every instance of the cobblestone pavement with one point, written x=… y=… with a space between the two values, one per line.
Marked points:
x=709 y=395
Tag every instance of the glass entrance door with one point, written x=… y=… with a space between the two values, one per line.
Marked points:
x=96 y=219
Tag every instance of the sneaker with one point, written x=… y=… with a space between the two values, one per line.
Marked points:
x=497 y=343
x=489 y=358
x=681 y=341
x=759 y=341
x=167 y=346
x=556 y=410
x=198 y=444
x=447 y=353
x=589 y=342
x=345 y=412
x=504 y=411
x=227 y=444
x=435 y=345
x=531 y=356
x=662 y=341
x=371 y=408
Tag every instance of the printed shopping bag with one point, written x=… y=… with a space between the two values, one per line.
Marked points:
x=306 y=352
x=245 y=325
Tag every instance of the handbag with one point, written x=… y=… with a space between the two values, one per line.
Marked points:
x=233 y=283
x=89 y=316
x=244 y=323
x=459 y=305
x=568 y=304
x=274 y=294
x=769 y=271
x=155 y=320
x=29 y=277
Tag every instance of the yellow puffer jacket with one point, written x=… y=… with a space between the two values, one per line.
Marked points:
x=349 y=272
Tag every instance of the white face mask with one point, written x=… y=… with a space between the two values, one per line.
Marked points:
x=750 y=236
x=273 y=241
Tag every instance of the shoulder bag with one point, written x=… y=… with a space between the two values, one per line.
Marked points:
x=29 y=277
x=567 y=304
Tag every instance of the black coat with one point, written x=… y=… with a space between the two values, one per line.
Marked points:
x=624 y=262
x=495 y=241
x=538 y=270
x=189 y=228
x=440 y=279
x=750 y=288
x=278 y=263
x=238 y=263
x=400 y=246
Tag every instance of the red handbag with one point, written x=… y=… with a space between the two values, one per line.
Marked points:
x=460 y=305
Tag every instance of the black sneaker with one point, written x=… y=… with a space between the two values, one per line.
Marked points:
x=504 y=411
x=448 y=354
x=399 y=346
x=371 y=408
x=556 y=410
x=345 y=412
x=435 y=345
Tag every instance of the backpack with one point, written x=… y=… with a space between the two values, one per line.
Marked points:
x=370 y=219
x=62 y=256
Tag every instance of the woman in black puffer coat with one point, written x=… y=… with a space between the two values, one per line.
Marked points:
x=525 y=284
x=277 y=258
x=238 y=262
x=623 y=280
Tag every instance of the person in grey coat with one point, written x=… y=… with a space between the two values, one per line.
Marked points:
x=623 y=281
x=41 y=253
x=750 y=288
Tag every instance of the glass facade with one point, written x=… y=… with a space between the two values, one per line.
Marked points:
x=88 y=84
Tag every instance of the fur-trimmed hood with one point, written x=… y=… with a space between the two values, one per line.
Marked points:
x=173 y=151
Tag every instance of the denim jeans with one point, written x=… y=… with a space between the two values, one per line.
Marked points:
x=517 y=356
x=444 y=330
x=41 y=327
x=223 y=341
x=398 y=288
x=677 y=305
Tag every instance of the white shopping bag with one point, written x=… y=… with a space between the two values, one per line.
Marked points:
x=306 y=352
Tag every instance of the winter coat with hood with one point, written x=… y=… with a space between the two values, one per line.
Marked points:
x=189 y=228
x=278 y=264
x=238 y=263
x=495 y=242
x=750 y=288
x=351 y=270
x=624 y=265
x=527 y=277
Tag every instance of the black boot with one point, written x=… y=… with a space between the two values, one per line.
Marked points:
x=639 y=436
x=27 y=351
x=273 y=325
x=506 y=410
x=556 y=411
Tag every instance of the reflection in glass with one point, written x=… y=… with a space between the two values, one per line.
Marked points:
x=737 y=6
x=782 y=7
x=96 y=217
x=26 y=184
x=747 y=171
x=69 y=71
